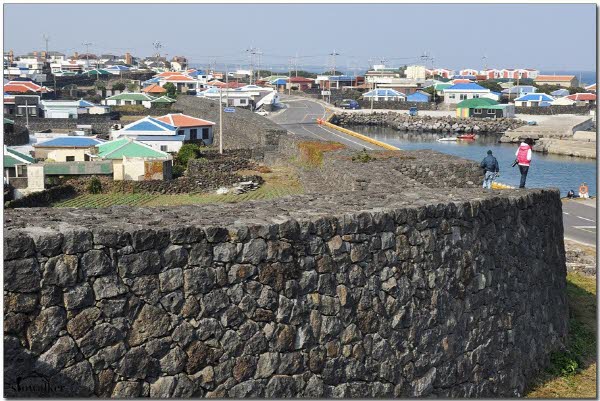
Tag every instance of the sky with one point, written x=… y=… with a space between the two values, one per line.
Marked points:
x=542 y=36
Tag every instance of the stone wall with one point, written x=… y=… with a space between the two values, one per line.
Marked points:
x=550 y=110
x=243 y=129
x=43 y=198
x=366 y=104
x=404 y=122
x=18 y=136
x=451 y=293
x=101 y=124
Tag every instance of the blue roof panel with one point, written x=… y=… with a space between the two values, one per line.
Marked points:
x=470 y=86
x=171 y=138
x=536 y=97
x=71 y=141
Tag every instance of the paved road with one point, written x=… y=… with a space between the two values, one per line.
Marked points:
x=300 y=116
x=579 y=220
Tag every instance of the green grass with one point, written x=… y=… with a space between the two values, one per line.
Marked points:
x=278 y=183
x=572 y=373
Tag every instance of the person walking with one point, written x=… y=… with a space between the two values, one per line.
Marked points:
x=491 y=169
x=523 y=155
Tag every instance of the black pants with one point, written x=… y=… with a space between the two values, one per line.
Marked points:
x=523 y=170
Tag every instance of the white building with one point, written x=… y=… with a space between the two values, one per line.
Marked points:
x=416 y=72
x=459 y=92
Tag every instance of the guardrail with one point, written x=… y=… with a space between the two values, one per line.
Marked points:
x=357 y=135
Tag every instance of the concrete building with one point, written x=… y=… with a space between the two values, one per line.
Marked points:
x=566 y=81
x=459 y=92
x=415 y=72
x=534 y=100
x=386 y=95
x=66 y=148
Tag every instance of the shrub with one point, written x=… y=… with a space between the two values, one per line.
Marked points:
x=362 y=157
x=178 y=170
x=94 y=186
x=187 y=152
x=311 y=152
x=118 y=86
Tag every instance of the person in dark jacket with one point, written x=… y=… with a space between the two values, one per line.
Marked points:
x=490 y=166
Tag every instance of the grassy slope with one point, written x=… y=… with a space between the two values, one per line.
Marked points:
x=573 y=373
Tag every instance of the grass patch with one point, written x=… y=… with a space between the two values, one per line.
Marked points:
x=279 y=182
x=572 y=373
x=311 y=152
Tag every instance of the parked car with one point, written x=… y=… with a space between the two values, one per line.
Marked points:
x=349 y=104
x=262 y=112
x=413 y=111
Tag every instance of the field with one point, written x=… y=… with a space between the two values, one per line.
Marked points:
x=572 y=373
x=279 y=182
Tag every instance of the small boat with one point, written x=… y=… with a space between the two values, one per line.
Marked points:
x=466 y=136
x=452 y=138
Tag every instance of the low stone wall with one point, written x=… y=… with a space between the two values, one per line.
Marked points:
x=101 y=124
x=366 y=104
x=457 y=293
x=550 y=110
x=18 y=136
x=43 y=198
x=404 y=122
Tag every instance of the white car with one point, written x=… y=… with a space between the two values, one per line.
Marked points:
x=262 y=112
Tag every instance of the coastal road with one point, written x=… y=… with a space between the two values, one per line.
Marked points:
x=579 y=221
x=300 y=119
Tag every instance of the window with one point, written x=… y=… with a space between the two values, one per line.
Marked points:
x=463 y=96
x=491 y=111
x=205 y=133
x=127 y=102
x=475 y=96
x=22 y=170
x=452 y=96
x=163 y=148
x=243 y=101
x=118 y=102
x=193 y=134
x=70 y=158
x=180 y=132
x=477 y=111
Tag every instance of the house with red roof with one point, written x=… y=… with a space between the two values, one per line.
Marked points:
x=154 y=89
x=468 y=71
x=491 y=73
x=583 y=98
x=22 y=87
x=192 y=128
x=300 y=83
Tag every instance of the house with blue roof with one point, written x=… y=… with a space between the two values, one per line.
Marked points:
x=519 y=90
x=534 y=100
x=419 y=97
x=117 y=69
x=464 y=91
x=386 y=95
x=560 y=93
x=66 y=148
x=153 y=132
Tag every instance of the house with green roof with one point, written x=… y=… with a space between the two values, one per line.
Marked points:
x=15 y=164
x=130 y=98
x=484 y=108
x=133 y=160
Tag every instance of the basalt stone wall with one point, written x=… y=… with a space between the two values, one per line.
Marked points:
x=366 y=104
x=460 y=293
x=43 y=198
x=550 y=110
x=101 y=124
x=18 y=136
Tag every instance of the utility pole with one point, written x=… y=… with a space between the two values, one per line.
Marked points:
x=46 y=39
x=221 y=120
x=252 y=51
x=290 y=77
x=157 y=46
x=87 y=53
x=333 y=55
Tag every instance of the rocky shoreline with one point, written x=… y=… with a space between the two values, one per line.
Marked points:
x=404 y=122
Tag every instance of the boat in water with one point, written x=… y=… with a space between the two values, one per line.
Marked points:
x=467 y=136
x=451 y=138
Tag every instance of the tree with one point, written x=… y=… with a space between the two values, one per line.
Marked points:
x=118 y=86
x=132 y=87
x=492 y=85
x=187 y=152
x=576 y=89
x=171 y=90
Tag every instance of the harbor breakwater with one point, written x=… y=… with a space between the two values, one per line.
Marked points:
x=365 y=292
x=446 y=125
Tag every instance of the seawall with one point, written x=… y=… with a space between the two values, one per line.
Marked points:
x=457 y=292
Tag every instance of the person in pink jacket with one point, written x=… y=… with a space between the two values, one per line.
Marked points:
x=523 y=155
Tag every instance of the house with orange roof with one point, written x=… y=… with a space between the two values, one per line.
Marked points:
x=192 y=128
x=591 y=88
x=566 y=81
x=154 y=89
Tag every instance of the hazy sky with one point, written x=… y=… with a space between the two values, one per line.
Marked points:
x=544 y=36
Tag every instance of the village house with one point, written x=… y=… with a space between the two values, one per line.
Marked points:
x=534 y=100
x=135 y=98
x=23 y=87
x=419 y=97
x=560 y=93
x=491 y=73
x=154 y=89
x=387 y=95
x=468 y=71
x=440 y=72
x=563 y=101
x=153 y=132
x=415 y=72
x=591 y=88
x=134 y=161
x=484 y=108
x=194 y=129
x=15 y=164
x=66 y=148
x=459 y=92
x=179 y=63
x=583 y=98
x=380 y=75
x=300 y=83
x=21 y=105
x=566 y=81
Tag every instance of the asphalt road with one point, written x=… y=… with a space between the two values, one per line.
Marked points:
x=300 y=118
x=579 y=221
